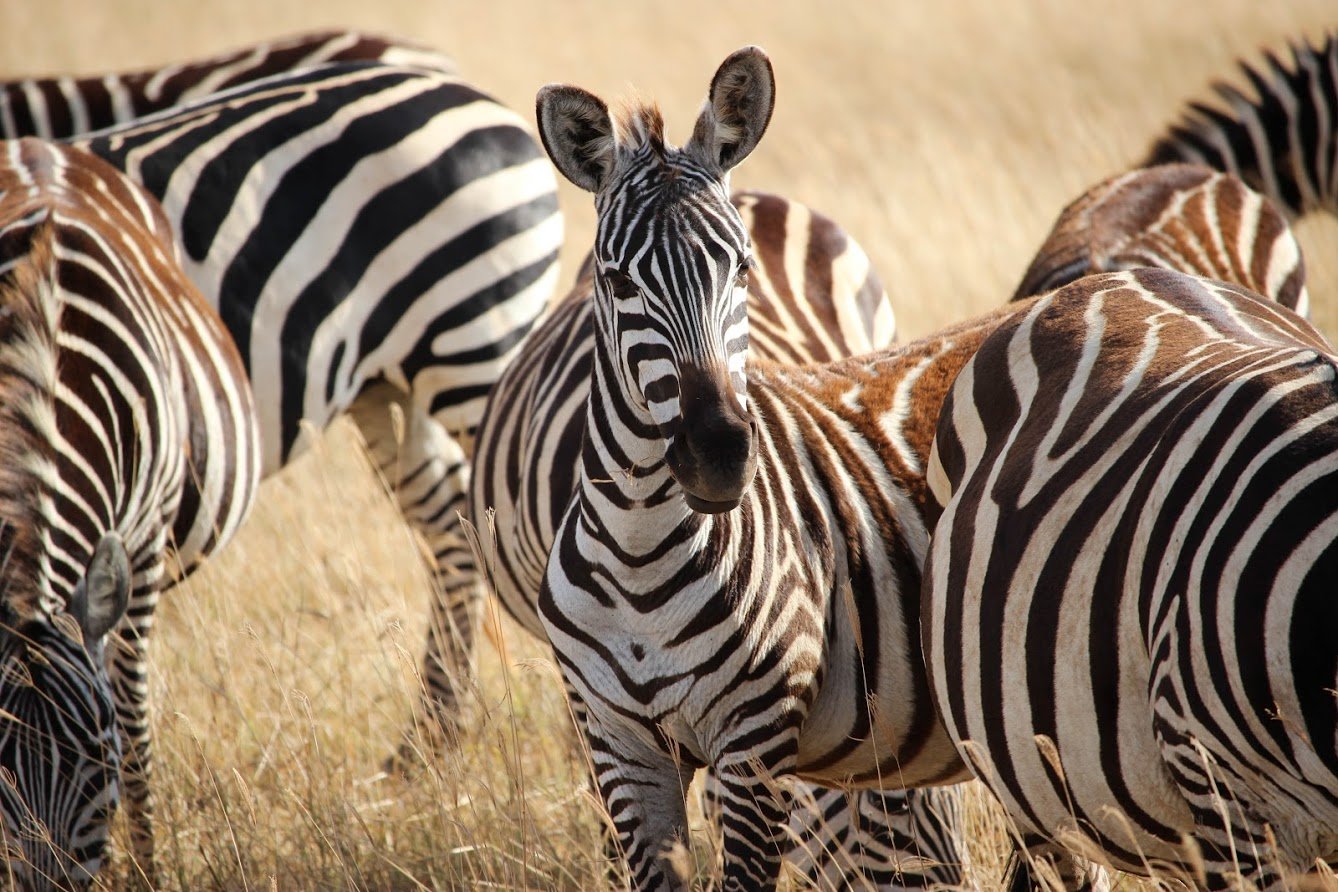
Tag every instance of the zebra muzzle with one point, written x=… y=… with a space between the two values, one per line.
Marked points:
x=714 y=454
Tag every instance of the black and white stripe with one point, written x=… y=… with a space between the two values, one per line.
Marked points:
x=132 y=451
x=1282 y=141
x=61 y=107
x=734 y=582
x=1184 y=217
x=812 y=297
x=374 y=236
x=1129 y=606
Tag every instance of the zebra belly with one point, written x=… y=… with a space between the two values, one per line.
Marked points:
x=888 y=736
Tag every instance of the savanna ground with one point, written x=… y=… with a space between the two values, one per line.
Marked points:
x=944 y=136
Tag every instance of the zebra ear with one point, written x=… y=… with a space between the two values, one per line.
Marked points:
x=737 y=110
x=101 y=597
x=577 y=133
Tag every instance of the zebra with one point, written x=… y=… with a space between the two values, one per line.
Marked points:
x=708 y=487
x=1128 y=608
x=63 y=107
x=132 y=451
x=1282 y=142
x=373 y=236
x=1184 y=217
x=812 y=297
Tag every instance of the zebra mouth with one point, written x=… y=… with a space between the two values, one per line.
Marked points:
x=705 y=506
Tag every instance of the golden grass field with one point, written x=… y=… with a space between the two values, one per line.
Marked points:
x=945 y=137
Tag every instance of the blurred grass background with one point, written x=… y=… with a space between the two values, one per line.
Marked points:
x=945 y=137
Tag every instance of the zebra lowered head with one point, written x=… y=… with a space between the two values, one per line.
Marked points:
x=670 y=247
x=57 y=721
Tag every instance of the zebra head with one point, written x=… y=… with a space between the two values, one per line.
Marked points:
x=671 y=264
x=59 y=744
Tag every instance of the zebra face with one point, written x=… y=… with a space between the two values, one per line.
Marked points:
x=682 y=342
x=60 y=748
x=672 y=255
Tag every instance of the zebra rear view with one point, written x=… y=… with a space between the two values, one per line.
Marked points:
x=1129 y=606
x=131 y=452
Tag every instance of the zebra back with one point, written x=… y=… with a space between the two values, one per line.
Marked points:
x=128 y=430
x=62 y=107
x=1282 y=141
x=354 y=222
x=1176 y=216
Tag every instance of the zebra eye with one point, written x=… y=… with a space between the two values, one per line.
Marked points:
x=620 y=286
x=741 y=277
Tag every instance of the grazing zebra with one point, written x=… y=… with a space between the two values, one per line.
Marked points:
x=812 y=296
x=1175 y=216
x=62 y=107
x=131 y=452
x=736 y=580
x=372 y=235
x=1129 y=609
x=1283 y=142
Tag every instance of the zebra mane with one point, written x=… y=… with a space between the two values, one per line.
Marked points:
x=640 y=123
x=28 y=317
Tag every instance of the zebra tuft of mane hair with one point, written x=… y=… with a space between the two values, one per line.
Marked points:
x=28 y=315
x=640 y=123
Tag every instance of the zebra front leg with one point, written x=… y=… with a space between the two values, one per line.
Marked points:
x=428 y=471
x=754 y=811
x=127 y=658
x=887 y=839
x=644 y=790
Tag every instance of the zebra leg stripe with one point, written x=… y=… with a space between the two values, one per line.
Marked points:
x=427 y=471
x=754 y=811
x=644 y=791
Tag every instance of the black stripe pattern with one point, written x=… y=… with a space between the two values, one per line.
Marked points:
x=62 y=107
x=733 y=582
x=132 y=451
x=1282 y=140
x=378 y=239
x=1129 y=602
x=812 y=297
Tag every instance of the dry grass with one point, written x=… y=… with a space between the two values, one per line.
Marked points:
x=945 y=136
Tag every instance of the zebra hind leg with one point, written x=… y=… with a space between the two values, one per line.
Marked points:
x=427 y=471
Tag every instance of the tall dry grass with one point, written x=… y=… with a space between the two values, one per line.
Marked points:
x=944 y=136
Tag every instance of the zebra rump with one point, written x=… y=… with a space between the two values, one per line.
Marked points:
x=1128 y=607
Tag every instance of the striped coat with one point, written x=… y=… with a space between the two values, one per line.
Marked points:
x=378 y=240
x=812 y=297
x=1128 y=607
x=132 y=452
x=1281 y=142
x=63 y=107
